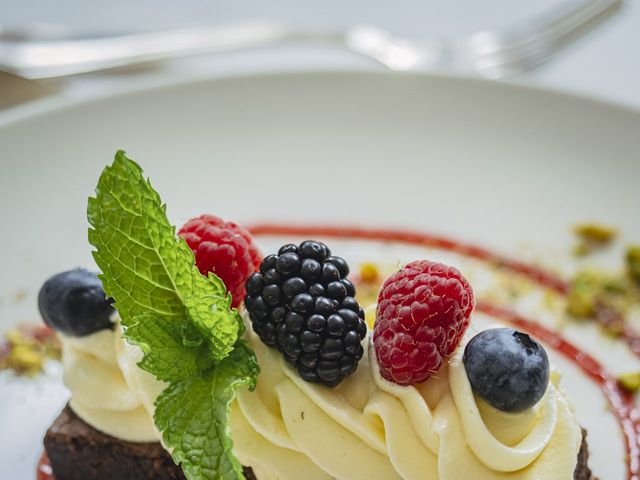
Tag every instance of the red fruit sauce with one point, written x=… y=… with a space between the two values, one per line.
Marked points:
x=621 y=402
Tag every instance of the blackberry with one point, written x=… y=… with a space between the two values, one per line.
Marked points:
x=301 y=302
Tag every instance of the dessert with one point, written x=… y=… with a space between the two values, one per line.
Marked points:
x=293 y=383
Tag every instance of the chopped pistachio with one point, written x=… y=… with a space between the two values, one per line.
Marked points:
x=630 y=381
x=633 y=263
x=592 y=236
x=583 y=293
x=595 y=233
x=369 y=272
x=26 y=350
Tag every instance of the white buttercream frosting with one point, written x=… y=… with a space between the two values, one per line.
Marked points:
x=366 y=428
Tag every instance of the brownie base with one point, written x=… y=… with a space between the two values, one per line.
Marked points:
x=77 y=451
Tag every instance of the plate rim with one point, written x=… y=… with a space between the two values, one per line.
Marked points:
x=60 y=103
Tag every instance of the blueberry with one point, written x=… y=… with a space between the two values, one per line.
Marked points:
x=507 y=369
x=74 y=303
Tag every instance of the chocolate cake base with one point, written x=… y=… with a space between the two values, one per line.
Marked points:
x=78 y=451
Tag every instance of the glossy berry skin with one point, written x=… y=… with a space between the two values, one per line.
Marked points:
x=507 y=369
x=423 y=312
x=301 y=303
x=223 y=248
x=74 y=303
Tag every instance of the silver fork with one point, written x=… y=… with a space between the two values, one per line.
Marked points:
x=492 y=54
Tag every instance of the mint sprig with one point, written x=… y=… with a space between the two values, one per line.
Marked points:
x=182 y=321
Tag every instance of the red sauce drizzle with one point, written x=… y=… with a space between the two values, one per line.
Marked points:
x=621 y=401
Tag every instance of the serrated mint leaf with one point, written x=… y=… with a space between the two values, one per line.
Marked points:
x=182 y=321
x=166 y=356
x=146 y=268
x=193 y=415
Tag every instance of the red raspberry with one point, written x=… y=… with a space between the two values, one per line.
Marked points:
x=225 y=249
x=423 y=312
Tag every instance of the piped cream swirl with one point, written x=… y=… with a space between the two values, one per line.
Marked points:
x=366 y=428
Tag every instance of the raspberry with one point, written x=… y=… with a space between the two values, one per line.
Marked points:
x=302 y=303
x=423 y=312
x=223 y=248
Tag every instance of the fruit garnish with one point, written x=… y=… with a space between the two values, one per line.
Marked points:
x=507 y=369
x=423 y=312
x=182 y=321
x=74 y=303
x=302 y=303
x=223 y=248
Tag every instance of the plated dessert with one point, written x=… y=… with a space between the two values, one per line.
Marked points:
x=193 y=356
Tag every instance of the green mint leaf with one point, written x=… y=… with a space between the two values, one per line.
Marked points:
x=146 y=269
x=193 y=415
x=182 y=321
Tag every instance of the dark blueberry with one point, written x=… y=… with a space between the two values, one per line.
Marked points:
x=351 y=289
x=350 y=304
x=289 y=247
x=317 y=290
x=271 y=295
x=313 y=249
x=310 y=341
x=294 y=322
x=277 y=315
x=316 y=323
x=288 y=264
x=74 y=303
x=332 y=349
x=330 y=273
x=324 y=306
x=340 y=264
x=268 y=263
x=271 y=277
x=507 y=369
x=336 y=290
x=311 y=269
x=302 y=303
x=255 y=284
x=335 y=325
x=293 y=287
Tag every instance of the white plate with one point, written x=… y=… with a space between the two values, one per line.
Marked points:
x=504 y=166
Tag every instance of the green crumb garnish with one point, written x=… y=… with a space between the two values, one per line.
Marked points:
x=633 y=263
x=592 y=236
x=601 y=297
x=181 y=320
x=25 y=350
x=630 y=381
